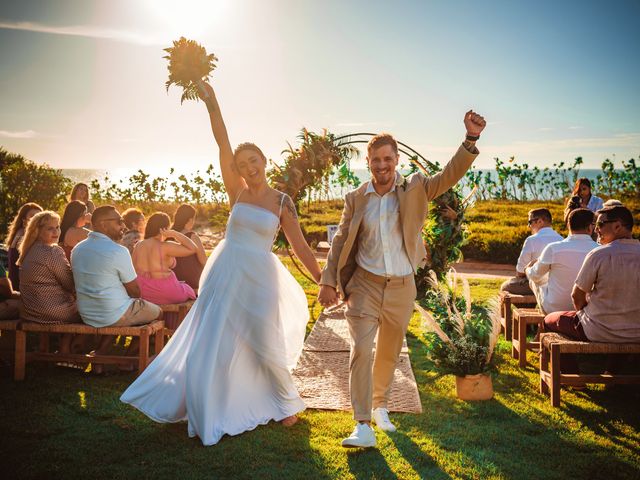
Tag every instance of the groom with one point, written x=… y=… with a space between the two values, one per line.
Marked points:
x=371 y=264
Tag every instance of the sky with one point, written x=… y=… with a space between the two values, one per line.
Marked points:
x=82 y=83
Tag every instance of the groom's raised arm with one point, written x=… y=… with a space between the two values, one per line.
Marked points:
x=453 y=171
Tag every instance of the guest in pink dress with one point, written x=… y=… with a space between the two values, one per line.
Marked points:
x=154 y=257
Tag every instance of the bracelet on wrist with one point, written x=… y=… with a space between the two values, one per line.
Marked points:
x=472 y=138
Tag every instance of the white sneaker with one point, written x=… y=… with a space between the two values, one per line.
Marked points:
x=362 y=436
x=381 y=418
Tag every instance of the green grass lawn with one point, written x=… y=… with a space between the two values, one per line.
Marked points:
x=60 y=423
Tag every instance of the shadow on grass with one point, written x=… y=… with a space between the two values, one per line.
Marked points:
x=368 y=463
x=64 y=424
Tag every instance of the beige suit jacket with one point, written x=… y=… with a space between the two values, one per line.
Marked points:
x=414 y=195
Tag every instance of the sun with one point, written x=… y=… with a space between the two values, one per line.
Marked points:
x=189 y=18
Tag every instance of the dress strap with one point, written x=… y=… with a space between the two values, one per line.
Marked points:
x=238 y=196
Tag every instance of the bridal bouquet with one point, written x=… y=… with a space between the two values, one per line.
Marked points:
x=189 y=63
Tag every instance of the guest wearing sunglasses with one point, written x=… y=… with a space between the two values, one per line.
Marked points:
x=605 y=294
x=108 y=294
x=539 y=222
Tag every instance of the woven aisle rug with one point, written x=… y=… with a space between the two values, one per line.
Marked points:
x=322 y=373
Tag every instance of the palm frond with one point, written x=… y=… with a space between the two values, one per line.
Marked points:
x=494 y=315
x=430 y=324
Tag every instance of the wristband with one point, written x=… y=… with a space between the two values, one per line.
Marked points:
x=472 y=138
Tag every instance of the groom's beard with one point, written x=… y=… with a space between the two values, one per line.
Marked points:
x=384 y=180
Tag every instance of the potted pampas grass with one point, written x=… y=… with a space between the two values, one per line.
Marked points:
x=460 y=337
x=189 y=64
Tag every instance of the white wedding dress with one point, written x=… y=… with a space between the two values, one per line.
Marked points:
x=227 y=368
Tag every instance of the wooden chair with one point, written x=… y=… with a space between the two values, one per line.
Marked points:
x=154 y=329
x=173 y=314
x=522 y=317
x=507 y=300
x=553 y=345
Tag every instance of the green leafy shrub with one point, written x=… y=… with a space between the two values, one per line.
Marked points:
x=23 y=181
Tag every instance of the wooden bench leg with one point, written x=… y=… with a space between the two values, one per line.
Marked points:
x=555 y=375
x=159 y=341
x=20 y=355
x=507 y=320
x=522 y=343
x=544 y=367
x=44 y=343
x=515 y=339
x=143 y=354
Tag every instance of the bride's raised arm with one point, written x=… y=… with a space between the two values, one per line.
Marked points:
x=233 y=182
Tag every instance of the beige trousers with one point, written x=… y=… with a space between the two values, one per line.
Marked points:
x=139 y=312
x=383 y=305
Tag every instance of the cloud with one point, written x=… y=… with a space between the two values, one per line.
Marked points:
x=85 y=31
x=21 y=134
x=576 y=127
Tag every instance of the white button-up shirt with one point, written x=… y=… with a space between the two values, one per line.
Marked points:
x=561 y=261
x=534 y=244
x=380 y=243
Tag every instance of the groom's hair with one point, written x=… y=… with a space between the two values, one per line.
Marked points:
x=248 y=146
x=381 y=140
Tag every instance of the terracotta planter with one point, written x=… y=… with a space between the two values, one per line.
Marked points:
x=474 y=387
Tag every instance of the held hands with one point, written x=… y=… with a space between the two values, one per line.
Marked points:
x=327 y=296
x=474 y=123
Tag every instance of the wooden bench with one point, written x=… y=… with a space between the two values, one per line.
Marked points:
x=154 y=329
x=553 y=345
x=507 y=300
x=523 y=317
x=173 y=314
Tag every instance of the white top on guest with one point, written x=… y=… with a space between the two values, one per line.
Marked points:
x=611 y=276
x=557 y=268
x=380 y=243
x=595 y=203
x=100 y=268
x=534 y=244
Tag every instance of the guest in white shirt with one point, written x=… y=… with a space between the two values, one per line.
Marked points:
x=539 y=222
x=552 y=276
x=582 y=189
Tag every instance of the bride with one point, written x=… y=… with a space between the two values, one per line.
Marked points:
x=227 y=368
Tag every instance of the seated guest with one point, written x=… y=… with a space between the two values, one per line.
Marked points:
x=605 y=294
x=108 y=294
x=188 y=269
x=553 y=274
x=582 y=189
x=574 y=203
x=80 y=191
x=16 y=232
x=134 y=221
x=9 y=298
x=47 y=294
x=72 y=229
x=542 y=235
x=612 y=202
x=154 y=257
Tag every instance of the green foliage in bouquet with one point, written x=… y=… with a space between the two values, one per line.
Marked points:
x=460 y=337
x=188 y=64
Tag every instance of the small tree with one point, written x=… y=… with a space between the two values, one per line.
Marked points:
x=23 y=181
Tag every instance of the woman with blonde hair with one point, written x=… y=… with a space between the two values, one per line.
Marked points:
x=48 y=291
x=72 y=229
x=80 y=191
x=16 y=232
